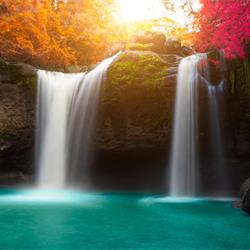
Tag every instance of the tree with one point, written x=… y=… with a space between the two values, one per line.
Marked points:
x=51 y=33
x=224 y=25
x=93 y=26
x=32 y=32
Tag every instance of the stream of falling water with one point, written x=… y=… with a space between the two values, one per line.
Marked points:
x=66 y=115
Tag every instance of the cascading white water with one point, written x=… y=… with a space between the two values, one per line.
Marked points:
x=215 y=96
x=184 y=171
x=184 y=151
x=66 y=112
x=215 y=126
x=55 y=93
x=213 y=111
x=82 y=122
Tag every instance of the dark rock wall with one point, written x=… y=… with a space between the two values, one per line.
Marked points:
x=17 y=118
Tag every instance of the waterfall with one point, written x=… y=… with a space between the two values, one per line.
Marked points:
x=55 y=93
x=215 y=127
x=66 y=114
x=82 y=123
x=184 y=169
x=215 y=96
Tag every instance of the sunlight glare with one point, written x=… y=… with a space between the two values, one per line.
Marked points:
x=142 y=10
x=138 y=10
x=180 y=15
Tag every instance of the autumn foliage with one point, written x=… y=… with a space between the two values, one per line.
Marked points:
x=224 y=25
x=44 y=34
x=58 y=33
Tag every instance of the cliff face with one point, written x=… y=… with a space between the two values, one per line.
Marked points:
x=134 y=124
x=17 y=116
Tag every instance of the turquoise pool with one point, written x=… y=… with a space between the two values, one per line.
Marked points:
x=72 y=220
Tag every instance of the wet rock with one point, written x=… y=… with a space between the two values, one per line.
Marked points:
x=245 y=196
x=173 y=46
x=137 y=100
x=214 y=59
x=155 y=41
x=17 y=116
x=187 y=51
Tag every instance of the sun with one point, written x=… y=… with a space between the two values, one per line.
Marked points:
x=139 y=10
x=142 y=10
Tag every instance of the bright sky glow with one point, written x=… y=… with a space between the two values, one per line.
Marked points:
x=139 y=10
x=180 y=16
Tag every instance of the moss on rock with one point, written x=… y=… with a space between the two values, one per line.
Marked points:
x=140 y=46
x=137 y=99
x=18 y=73
x=131 y=67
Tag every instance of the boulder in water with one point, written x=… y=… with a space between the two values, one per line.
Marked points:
x=245 y=195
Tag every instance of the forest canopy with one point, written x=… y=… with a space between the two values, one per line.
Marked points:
x=224 y=25
x=50 y=33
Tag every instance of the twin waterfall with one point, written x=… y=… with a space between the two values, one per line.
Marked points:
x=66 y=115
x=184 y=158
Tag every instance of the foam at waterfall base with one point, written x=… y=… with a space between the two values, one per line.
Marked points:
x=75 y=220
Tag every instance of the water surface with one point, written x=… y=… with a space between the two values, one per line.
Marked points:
x=74 y=220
